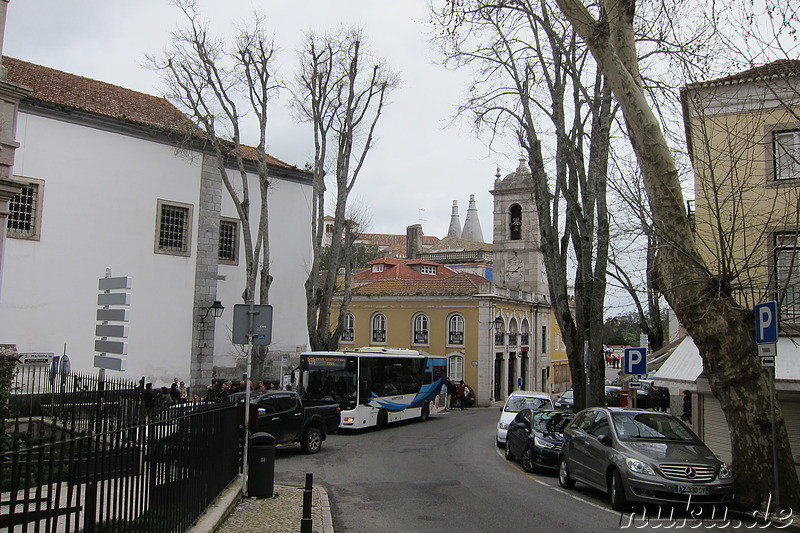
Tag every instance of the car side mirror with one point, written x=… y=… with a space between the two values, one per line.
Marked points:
x=605 y=440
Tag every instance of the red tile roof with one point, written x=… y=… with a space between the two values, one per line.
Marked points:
x=60 y=89
x=401 y=269
x=454 y=285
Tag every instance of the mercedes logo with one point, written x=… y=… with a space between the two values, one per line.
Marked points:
x=690 y=472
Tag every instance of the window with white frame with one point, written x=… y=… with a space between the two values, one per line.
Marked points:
x=228 y=241
x=378 y=267
x=25 y=210
x=379 y=328
x=348 y=333
x=427 y=269
x=174 y=228
x=455 y=367
x=786 y=145
x=787 y=274
x=420 y=329
x=524 y=339
x=455 y=330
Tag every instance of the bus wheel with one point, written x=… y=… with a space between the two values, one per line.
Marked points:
x=383 y=419
x=426 y=412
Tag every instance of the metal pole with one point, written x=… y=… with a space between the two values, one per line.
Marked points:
x=776 y=484
x=306 y=523
x=586 y=367
x=250 y=315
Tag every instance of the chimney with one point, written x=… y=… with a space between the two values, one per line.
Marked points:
x=472 y=225
x=413 y=241
x=455 y=222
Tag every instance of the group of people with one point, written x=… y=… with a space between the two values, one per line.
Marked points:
x=659 y=399
x=457 y=393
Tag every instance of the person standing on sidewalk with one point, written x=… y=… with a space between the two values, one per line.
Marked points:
x=462 y=394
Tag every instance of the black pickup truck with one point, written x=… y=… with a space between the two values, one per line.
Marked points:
x=283 y=415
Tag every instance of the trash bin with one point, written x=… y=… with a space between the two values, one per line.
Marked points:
x=623 y=397
x=261 y=466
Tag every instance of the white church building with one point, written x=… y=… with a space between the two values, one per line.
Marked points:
x=109 y=183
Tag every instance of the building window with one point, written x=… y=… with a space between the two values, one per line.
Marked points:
x=348 y=333
x=420 y=329
x=25 y=210
x=786 y=145
x=787 y=275
x=512 y=332
x=174 y=227
x=455 y=330
x=523 y=334
x=544 y=339
x=515 y=222
x=379 y=328
x=378 y=267
x=427 y=269
x=229 y=241
x=455 y=367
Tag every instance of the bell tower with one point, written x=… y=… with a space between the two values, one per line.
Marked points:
x=518 y=262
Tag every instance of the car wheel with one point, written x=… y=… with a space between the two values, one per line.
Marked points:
x=383 y=419
x=563 y=474
x=426 y=412
x=527 y=460
x=617 y=491
x=509 y=455
x=312 y=441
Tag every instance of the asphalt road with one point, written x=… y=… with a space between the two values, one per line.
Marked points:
x=444 y=475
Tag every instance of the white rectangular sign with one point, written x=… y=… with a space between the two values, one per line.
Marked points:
x=767 y=350
x=114 y=298
x=109 y=363
x=112 y=315
x=108 y=284
x=117 y=347
x=111 y=330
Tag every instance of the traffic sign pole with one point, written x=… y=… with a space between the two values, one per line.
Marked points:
x=767 y=344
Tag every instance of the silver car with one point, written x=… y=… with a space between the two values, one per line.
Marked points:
x=641 y=456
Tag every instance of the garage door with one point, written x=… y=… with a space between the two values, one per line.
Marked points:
x=791 y=414
x=716 y=434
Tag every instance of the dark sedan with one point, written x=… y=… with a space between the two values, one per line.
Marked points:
x=642 y=456
x=535 y=438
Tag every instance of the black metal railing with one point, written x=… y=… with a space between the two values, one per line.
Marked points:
x=347 y=335
x=456 y=337
x=92 y=457
x=379 y=335
x=420 y=337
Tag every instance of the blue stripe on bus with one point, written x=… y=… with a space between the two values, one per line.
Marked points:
x=426 y=395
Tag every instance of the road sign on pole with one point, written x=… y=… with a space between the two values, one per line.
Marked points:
x=635 y=361
x=106 y=314
x=767 y=322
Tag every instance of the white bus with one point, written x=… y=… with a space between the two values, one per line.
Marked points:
x=375 y=386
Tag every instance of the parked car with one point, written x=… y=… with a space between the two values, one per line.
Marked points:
x=517 y=401
x=642 y=456
x=535 y=438
x=566 y=401
x=283 y=415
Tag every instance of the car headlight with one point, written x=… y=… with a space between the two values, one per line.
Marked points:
x=543 y=443
x=725 y=471
x=638 y=467
x=502 y=425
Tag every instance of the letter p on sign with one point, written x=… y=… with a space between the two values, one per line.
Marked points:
x=636 y=361
x=767 y=323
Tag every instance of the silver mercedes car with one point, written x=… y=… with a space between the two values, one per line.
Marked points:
x=641 y=456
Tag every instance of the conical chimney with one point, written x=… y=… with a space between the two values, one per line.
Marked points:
x=455 y=222
x=472 y=226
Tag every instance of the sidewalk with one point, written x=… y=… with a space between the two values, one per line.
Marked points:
x=282 y=513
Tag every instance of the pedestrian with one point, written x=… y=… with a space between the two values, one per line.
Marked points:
x=655 y=398
x=183 y=393
x=664 y=399
x=174 y=393
x=149 y=399
x=212 y=392
x=462 y=394
x=451 y=394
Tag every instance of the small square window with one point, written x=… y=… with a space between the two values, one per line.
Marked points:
x=174 y=228
x=229 y=241
x=378 y=267
x=787 y=154
x=427 y=269
x=25 y=210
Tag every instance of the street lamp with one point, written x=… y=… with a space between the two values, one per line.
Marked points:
x=216 y=308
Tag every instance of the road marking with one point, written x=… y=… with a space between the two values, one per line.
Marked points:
x=559 y=489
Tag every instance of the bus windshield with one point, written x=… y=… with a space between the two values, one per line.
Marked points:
x=331 y=378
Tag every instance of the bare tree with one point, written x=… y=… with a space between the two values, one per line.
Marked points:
x=704 y=301
x=342 y=91
x=533 y=80
x=217 y=87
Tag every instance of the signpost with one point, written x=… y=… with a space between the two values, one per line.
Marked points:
x=635 y=361
x=767 y=344
x=107 y=314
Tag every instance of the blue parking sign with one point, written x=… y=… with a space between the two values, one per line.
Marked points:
x=767 y=323
x=635 y=361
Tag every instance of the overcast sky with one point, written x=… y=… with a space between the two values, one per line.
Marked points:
x=420 y=161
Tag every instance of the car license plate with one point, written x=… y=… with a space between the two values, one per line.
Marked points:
x=684 y=489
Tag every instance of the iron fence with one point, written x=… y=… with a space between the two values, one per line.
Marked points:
x=92 y=457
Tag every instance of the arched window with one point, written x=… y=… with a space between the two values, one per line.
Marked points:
x=420 y=329
x=348 y=334
x=524 y=333
x=455 y=367
x=515 y=222
x=512 y=332
x=455 y=330
x=379 y=328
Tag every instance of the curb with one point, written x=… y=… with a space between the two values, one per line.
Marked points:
x=325 y=507
x=220 y=508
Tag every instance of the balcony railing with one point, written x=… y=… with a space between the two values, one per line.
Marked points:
x=420 y=337
x=379 y=335
x=456 y=337
x=347 y=335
